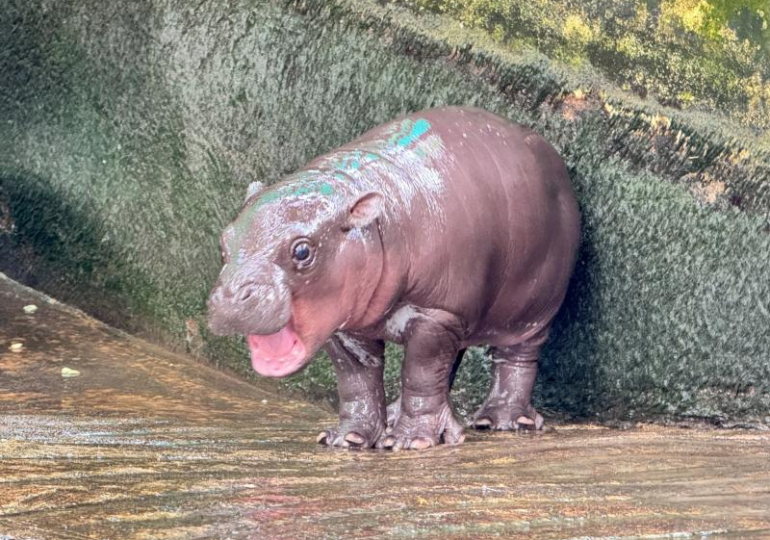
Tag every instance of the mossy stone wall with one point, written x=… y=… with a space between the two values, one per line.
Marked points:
x=128 y=136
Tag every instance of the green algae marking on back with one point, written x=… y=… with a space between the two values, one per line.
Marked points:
x=409 y=132
x=399 y=137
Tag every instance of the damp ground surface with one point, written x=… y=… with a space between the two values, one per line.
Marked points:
x=105 y=436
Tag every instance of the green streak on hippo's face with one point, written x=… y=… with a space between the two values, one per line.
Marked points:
x=261 y=224
x=401 y=143
x=304 y=187
x=296 y=190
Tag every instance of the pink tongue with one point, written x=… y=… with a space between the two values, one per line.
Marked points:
x=278 y=344
x=279 y=354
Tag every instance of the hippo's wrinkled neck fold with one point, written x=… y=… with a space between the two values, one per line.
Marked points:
x=383 y=290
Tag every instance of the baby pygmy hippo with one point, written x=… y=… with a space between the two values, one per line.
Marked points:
x=448 y=228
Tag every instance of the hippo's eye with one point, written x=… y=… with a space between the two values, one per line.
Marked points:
x=302 y=253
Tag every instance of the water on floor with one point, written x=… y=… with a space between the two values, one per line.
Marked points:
x=103 y=436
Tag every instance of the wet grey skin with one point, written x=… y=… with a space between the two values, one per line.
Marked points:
x=447 y=228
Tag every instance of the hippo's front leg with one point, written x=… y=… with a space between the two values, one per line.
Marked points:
x=359 y=366
x=425 y=417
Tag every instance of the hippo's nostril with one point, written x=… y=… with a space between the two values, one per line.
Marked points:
x=245 y=294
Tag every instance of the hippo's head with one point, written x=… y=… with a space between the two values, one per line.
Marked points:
x=301 y=260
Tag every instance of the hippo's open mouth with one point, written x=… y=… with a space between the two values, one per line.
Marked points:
x=279 y=354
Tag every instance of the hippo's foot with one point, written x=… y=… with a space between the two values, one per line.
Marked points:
x=504 y=416
x=420 y=431
x=349 y=434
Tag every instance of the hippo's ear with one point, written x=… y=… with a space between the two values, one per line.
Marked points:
x=365 y=210
x=253 y=189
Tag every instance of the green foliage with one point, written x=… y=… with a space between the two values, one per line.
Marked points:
x=747 y=17
x=692 y=54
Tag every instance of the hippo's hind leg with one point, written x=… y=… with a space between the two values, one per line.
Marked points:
x=359 y=366
x=424 y=417
x=508 y=406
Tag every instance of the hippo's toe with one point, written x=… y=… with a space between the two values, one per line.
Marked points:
x=422 y=431
x=355 y=437
x=508 y=417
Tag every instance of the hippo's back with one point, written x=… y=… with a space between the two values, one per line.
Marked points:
x=516 y=191
x=486 y=207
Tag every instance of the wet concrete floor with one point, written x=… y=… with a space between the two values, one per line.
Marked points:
x=105 y=436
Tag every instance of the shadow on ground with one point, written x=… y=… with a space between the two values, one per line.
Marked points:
x=105 y=436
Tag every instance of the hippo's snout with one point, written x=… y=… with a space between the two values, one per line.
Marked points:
x=253 y=301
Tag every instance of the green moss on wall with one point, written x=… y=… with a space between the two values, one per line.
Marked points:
x=128 y=139
x=693 y=54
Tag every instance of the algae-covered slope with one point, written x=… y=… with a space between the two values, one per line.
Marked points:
x=707 y=55
x=127 y=139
